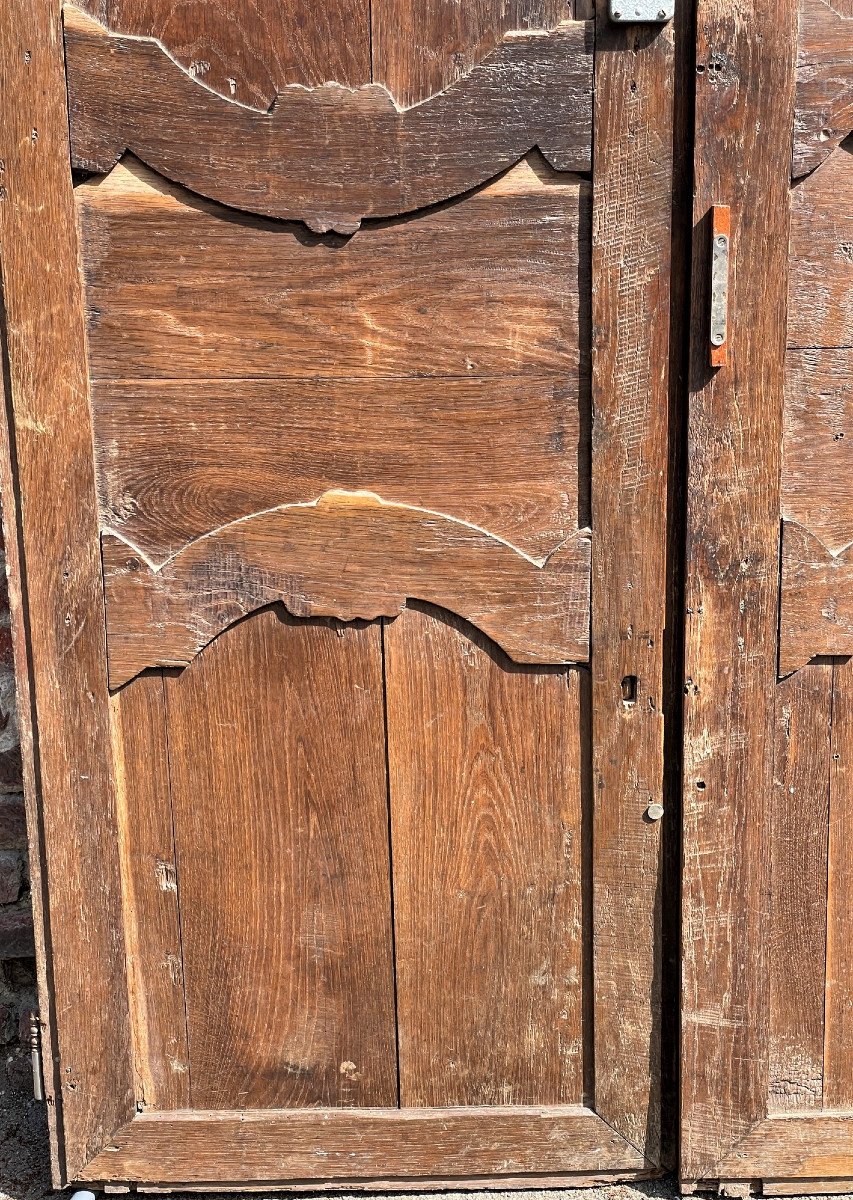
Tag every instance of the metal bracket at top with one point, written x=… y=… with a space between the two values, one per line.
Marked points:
x=635 y=12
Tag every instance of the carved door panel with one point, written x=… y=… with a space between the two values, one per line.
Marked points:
x=336 y=501
x=768 y=1024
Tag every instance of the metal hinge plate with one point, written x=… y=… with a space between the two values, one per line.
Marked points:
x=636 y=12
x=35 y=1055
x=721 y=232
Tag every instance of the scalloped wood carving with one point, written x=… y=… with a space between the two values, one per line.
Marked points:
x=330 y=156
x=352 y=556
x=817 y=600
x=824 y=106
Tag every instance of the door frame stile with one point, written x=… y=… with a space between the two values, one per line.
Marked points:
x=51 y=530
x=633 y=159
x=744 y=120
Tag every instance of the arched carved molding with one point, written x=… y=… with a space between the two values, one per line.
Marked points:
x=817 y=600
x=348 y=555
x=824 y=104
x=330 y=156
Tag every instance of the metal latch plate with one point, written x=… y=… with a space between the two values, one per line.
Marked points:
x=635 y=12
x=721 y=229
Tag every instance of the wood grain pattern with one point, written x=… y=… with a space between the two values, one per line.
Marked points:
x=821 y=275
x=631 y=264
x=150 y=888
x=838 y=1054
x=818 y=450
x=817 y=600
x=805 y=1146
x=196 y=1147
x=281 y=830
x=51 y=522
x=798 y=867
x=485 y=780
x=824 y=108
x=504 y=454
x=182 y=289
x=348 y=555
x=330 y=156
x=742 y=158
x=248 y=50
x=421 y=47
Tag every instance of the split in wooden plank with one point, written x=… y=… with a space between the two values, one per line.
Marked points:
x=330 y=156
x=798 y=867
x=817 y=600
x=277 y=755
x=199 y=1147
x=486 y=789
x=348 y=555
x=824 y=106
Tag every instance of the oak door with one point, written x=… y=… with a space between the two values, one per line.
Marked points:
x=336 y=500
x=767 y=1064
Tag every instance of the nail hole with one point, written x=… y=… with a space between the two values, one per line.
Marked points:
x=701 y=785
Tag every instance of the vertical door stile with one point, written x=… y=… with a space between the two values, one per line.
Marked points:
x=633 y=177
x=744 y=118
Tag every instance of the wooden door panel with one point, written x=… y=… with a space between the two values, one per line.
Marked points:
x=388 y=857
x=767 y=973
x=150 y=893
x=248 y=50
x=534 y=89
x=420 y=48
x=488 y=821
x=277 y=762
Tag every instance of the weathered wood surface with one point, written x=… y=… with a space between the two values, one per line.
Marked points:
x=502 y=454
x=150 y=890
x=798 y=871
x=198 y=1147
x=818 y=454
x=630 y=316
x=821 y=271
x=838 y=1052
x=744 y=118
x=817 y=600
x=348 y=555
x=805 y=1146
x=824 y=104
x=248 y=50
x=182 y=289
x=487 y=790
x=51 y=526
x=330 y=156
x=281 y=830
x=421 y=47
